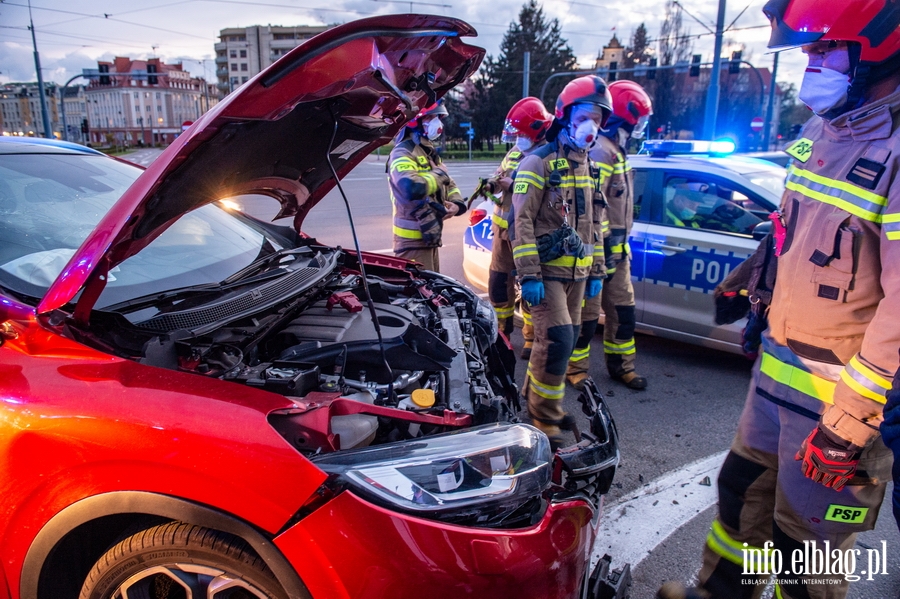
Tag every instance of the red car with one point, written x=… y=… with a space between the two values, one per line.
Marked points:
x=197 y=403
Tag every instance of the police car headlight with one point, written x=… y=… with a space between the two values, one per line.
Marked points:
x=487 y=476
x=485 y=311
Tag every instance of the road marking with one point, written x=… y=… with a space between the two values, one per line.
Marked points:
x=634 y=525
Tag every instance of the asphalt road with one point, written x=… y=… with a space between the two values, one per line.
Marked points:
x=688 y=413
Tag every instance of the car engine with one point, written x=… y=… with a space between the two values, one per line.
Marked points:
x=440 y=363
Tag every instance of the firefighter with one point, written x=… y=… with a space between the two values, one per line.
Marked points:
x=557 y=250
x=422 y=192
x=526 y=126
x=808 y=463
x=631 y=113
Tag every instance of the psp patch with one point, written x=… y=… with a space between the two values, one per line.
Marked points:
x=846 y=514
x=520 y=187
x=800 y=149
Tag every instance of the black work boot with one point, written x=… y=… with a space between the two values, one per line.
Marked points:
x=630 y=379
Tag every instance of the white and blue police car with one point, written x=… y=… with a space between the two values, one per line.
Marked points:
x=699 y=211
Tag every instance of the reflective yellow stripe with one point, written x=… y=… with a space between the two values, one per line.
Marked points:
x=526 y=318
x=404 y=163
x=723 y=545
x=865 y=381
x=606 y=168
x=546 y=391
x=570 y=261
x=800 y=380
x=891 y=225
x=853 y=199
x=504 y=311
x=499 y=221
x=526 y=249
x=618 y=248
x=580 y=354
x=431 y=181
x=530 y=177
x=407 y=233
x=453 y=190
x=619 y=348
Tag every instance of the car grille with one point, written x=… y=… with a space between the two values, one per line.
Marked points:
x=249 y=302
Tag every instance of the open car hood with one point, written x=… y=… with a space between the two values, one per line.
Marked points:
x=357 y=84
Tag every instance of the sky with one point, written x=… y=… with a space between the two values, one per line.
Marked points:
x=73 y=34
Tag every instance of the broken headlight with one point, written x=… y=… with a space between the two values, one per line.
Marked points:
x=491 y=476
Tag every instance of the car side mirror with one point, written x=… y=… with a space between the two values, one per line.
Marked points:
x=762 y=229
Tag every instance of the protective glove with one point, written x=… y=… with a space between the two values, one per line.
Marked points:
x=593 y=288
x=828 y=459
x=533 y=291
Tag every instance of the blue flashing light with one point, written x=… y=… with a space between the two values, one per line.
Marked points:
x=665 y=147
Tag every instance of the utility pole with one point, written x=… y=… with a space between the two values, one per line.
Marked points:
x=526 y=73
x=48 y=132
x=712 y=95
x=770 y=111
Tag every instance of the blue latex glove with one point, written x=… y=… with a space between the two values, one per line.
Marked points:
x=593 y=288
x=533 y=292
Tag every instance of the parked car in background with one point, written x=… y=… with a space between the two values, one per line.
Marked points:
x=195 y=403
x=697 y=214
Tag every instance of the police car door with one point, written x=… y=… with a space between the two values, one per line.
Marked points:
x=701 y=228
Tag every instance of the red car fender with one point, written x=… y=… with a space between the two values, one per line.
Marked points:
x=79 y=423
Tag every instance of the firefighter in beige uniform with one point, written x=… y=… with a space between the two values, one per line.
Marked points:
x=631 y=113
x=808 y=464
x=526 y=126
x=422 y=192
x=557 y=250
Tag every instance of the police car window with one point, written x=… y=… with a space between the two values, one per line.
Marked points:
x=640 y=184
x=696 y=203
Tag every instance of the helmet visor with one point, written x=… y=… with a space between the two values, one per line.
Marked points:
x=640 y=128
x=510 y=133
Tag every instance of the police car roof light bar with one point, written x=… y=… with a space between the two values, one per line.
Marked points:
x=665 y=147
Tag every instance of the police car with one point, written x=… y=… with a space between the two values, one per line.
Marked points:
x=699 y=211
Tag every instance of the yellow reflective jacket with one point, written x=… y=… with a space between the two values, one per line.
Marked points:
x=543 y=201
x=617 y=184
x=836 y=302
x=422 y=193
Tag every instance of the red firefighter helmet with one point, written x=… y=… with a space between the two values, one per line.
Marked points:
x=437 y=108
x=527 y=118
x=873 y=24
x=589 y=89
x=630 y=101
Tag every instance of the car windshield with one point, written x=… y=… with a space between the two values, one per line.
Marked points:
x=769 y=180
x=49 y=204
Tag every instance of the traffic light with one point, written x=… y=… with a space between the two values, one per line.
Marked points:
x=651 y=72
x=151 y=78
x=84 y=126
x=104 y=79
x=612 y=71
x=695 y=66
x=734 y=66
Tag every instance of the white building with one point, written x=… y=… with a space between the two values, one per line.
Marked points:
x=143 y=102
x=242 y=52
x=20 y=109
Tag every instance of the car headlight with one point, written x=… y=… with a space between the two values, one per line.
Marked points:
x=493 y=475
x=486 y=311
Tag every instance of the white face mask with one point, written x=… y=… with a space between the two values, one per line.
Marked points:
x=433 y=129
x=524 y=144
x=585 y=134
x=823 y=89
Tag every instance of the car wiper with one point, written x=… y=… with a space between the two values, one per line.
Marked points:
x=262 y=262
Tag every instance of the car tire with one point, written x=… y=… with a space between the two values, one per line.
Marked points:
x=167 y=560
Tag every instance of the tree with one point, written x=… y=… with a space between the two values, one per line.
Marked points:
x=638 y=52
x=669 y=103
x=792 y=114
x=500 y=83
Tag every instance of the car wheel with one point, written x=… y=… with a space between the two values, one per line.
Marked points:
x=181 y=561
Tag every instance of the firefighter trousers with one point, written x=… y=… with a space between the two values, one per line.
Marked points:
x=428 y=257
x=501 y=280
x=764 y=497
x=556 y=321
x=617 y=303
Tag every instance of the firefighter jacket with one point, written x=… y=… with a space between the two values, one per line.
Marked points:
x=836 y=302
x=554 y=186
x=422 y=194
x=502 y=207
x=617 y=183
